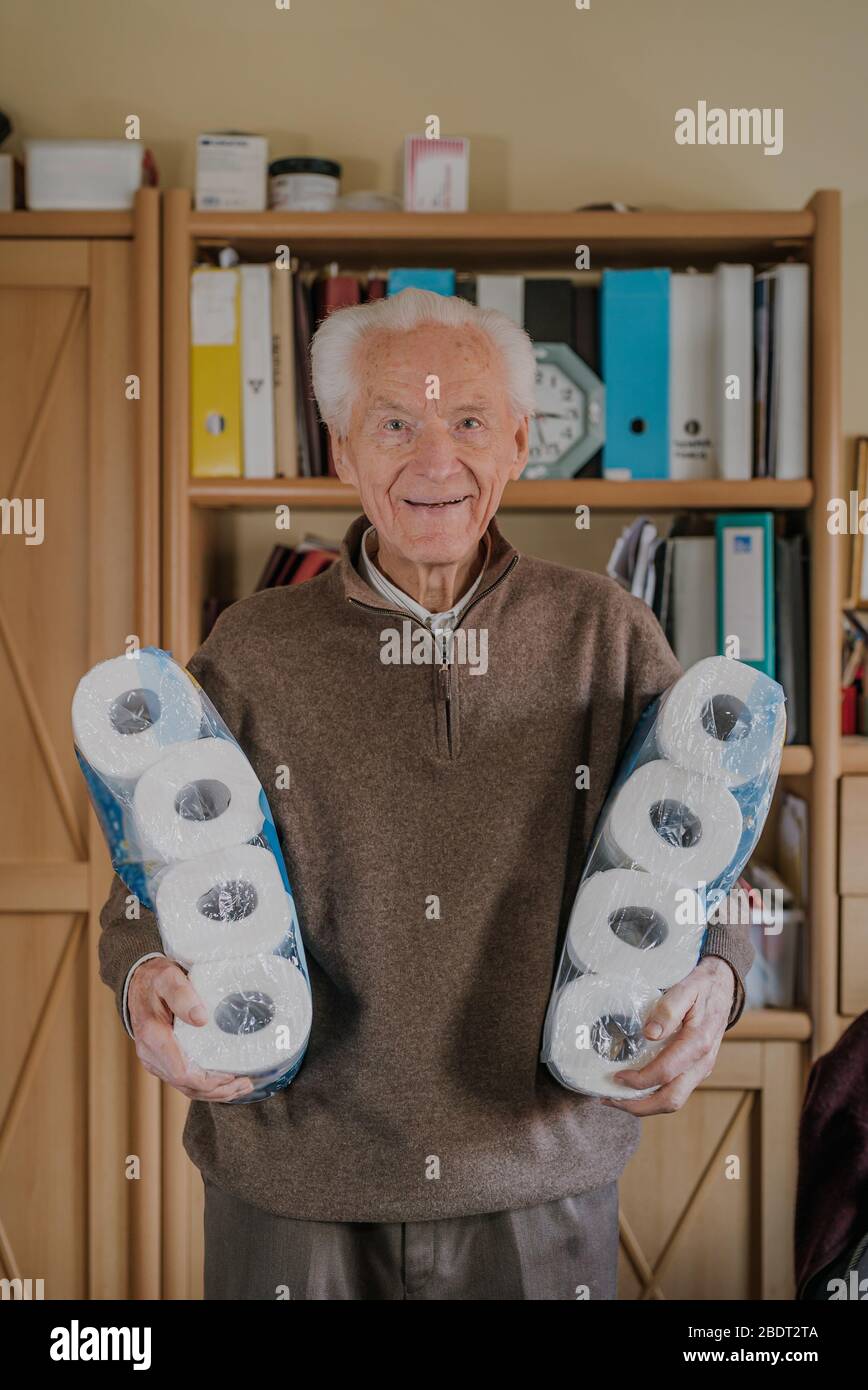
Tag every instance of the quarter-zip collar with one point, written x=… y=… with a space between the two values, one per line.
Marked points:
x=502 y=558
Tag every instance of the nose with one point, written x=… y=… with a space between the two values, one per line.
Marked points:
x=435 y=453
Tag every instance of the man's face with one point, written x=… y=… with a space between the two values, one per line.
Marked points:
x=430 y=472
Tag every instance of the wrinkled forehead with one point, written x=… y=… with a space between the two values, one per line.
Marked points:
x=389 y=362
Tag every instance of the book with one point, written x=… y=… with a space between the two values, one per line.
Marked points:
x=733 y=371
x=691 y=367
x=215 y=373
x=257 y=367
x=634 y=317
x=283 y=374
x=307 y=419
x=788 y=386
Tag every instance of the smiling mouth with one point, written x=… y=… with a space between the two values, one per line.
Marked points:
x=446 y=502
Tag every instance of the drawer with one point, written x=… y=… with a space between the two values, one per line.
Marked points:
x=853 y=836
x=854 y=955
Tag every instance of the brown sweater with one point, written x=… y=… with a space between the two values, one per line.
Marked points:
x=424 y=1052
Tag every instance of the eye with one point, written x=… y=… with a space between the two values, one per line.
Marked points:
x=472 y=422
x=400 y=423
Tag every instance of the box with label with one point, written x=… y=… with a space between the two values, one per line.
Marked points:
x=436 y=174
x=231 y=172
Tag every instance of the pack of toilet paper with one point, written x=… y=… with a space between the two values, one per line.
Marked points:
x=191 y=834
x=680 y=821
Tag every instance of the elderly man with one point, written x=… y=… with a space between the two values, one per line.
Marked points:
x=434 y=838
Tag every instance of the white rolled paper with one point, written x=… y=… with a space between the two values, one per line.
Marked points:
x=259 y=1016
x=626 y=922
x=723 y=719
x=127 y=711
x=232 y=903
x=200 y=797
x=597 y=1031
x=674 y=823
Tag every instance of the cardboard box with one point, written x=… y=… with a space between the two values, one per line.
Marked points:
x=436 y=174
x=231 y=172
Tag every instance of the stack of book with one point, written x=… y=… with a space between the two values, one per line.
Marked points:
x=854 y=714
x=709 y=581
x=705 y=374
x=288 y=565
x=285 y=565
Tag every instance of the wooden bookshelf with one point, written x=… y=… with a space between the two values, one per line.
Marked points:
x=540 y=241
x=543 y=242
x=537 y=495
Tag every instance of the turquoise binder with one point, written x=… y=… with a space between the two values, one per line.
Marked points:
x=634 y=334
x=746 y=587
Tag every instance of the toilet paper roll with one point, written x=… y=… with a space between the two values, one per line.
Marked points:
x=724 y=719
x=232 y=903
x=626 y=922
x=259 y=1015
x=127 y=711
x=674 y=823
x=200 y=797
x=597 y=1030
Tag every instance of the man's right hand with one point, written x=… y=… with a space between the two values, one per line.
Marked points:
x=159 y=991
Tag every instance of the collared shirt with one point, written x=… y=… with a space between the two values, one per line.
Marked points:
x=434 y=621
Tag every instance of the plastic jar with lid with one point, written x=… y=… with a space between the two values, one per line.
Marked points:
x=303 y=185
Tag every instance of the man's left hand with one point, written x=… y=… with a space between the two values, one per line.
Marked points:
x=697 y=1010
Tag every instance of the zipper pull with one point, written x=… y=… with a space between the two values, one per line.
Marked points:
x=445 y=682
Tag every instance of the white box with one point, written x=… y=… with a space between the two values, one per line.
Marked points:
x=70 y=175
x=436 y=174
x=231 y=173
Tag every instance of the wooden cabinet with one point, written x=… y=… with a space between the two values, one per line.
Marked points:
x=74 y=323
x=706 y=1209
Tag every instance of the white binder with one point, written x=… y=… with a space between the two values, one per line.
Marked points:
x=257 y=390
x=733 y=370
x=691 y=368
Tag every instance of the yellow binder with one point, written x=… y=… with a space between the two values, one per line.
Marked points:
x=215 y=374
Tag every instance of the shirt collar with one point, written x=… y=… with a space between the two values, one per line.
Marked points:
x=346 y=577
x=377 y=580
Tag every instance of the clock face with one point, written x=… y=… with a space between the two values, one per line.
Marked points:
x=560 y=421
x=568 y=424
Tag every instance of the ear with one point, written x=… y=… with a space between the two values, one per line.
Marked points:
x=344 y=466
x=522 y=446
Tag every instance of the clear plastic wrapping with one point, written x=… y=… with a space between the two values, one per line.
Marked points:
x=680 y=821
x=191 y=834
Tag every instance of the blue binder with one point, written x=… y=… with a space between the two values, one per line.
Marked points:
x=635 y=362
x=439 y=281
x=746 y=586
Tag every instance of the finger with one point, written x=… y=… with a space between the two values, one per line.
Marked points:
x=159 y=1043
x=693 y=1043
x=664 y=1101
x=180 y=997
x=229 y=1091
x=670 y=1010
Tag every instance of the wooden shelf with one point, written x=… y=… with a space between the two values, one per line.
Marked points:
x=67 y=224
x=777 y=1025
x=537 y=495
x=854 y=753
x=466 y=239
x=797 y=759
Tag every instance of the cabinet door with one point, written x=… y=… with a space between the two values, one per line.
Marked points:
x=707 y=1201
x=67 y=598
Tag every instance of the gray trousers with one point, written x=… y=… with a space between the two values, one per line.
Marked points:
x=566 y=1249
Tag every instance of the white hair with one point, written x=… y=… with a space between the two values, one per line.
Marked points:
x=334 y=345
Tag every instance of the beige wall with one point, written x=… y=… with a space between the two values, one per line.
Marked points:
x=562 y=107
